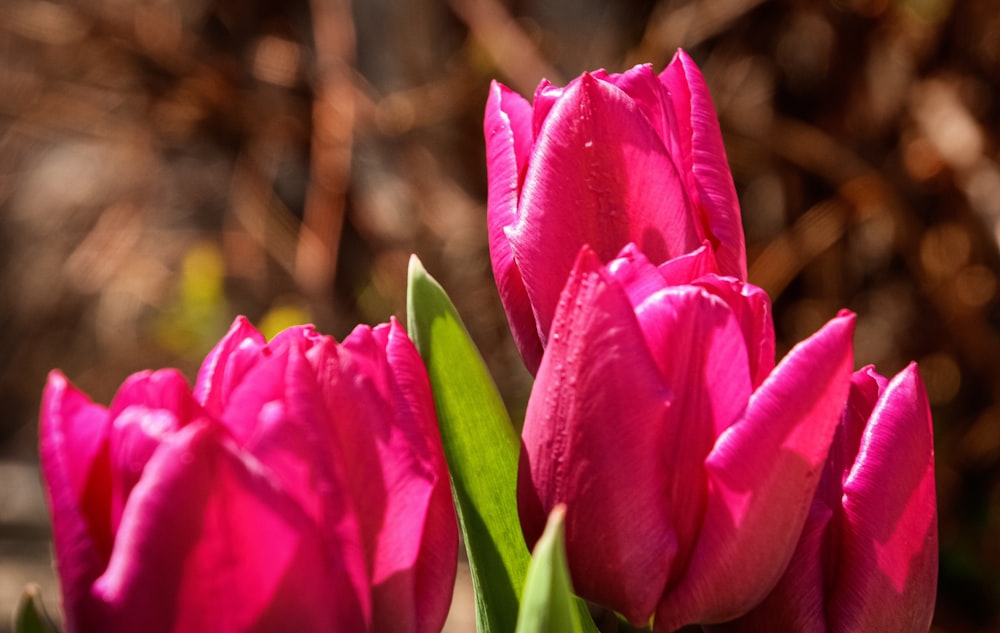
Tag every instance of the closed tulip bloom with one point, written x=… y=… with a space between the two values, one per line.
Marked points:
x=867 y=557
x=607 y=160
x=300 y=486
x=686 y=460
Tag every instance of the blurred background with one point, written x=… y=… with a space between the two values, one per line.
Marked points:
x=168 y=164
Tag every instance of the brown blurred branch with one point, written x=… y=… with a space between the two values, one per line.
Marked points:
x=783 y=259
x=333 y=114
x=868 y=193
x=513 y=52
x=686 y=26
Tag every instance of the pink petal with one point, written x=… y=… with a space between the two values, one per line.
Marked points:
x=752 y=308
x=74 y=461
x=248 y=400
x=545 y=98
x=704 y=155
x=508 y=141
x=284 y=422
x=392 y=456
x=436 y=565
x=148 y=407
x=698 y=346
x=750 y=304
x=303 y=336
x=641 y=84
x=889 y=565
x=636 y=274
x=597 y=369
x=165 y=390
x=208 y=543
x=437 y=559
x=696 y=338
x=763 y=473
x=798 y=602
x=867 y=386
x=685 y=268
x=598 y=175
x=210 y=388
x=697 y=343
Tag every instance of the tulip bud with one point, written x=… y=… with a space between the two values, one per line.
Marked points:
x=300 y=486
x=686 y=460
x=608 y=160
x=867 y=557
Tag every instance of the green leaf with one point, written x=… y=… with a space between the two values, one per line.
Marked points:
x=548 y=604
x=482 y=450
x=30 y=615
x=481 y=447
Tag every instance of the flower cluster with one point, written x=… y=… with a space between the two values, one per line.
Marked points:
x=691 y=467
x=303 y=484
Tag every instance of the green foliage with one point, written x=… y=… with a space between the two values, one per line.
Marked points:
x=30 y=615
x=481 y=447
x=548 y=605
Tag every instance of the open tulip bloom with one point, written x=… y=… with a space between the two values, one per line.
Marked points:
x=300 y=487
x=685 y=477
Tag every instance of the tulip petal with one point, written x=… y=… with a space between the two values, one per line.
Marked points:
x=798 y=601
x=598 y=175
x=703 y=155
x=437 y=560
x=396 y=449
x=636 y=274
x=654 y=100
x=189 y=556
x=697 y=343
x=507 y=126
x=752 y=308
x=684 y=269
x=763 y=473
x=255 y=399
x=546 y=96
x=147 y=408
x=867 y=385
x=698 y=346
x=597 y=369
x=73 y=446
x=284 y=421
x=215 y=378
x=889 y=568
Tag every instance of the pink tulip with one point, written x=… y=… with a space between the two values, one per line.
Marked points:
x=607 y=160
x=867 y=557
x=301 y=486
x=687 y=461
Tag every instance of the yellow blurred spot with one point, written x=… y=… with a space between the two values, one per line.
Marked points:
x=202 y=273
x=282 y=316
x=199 y=314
